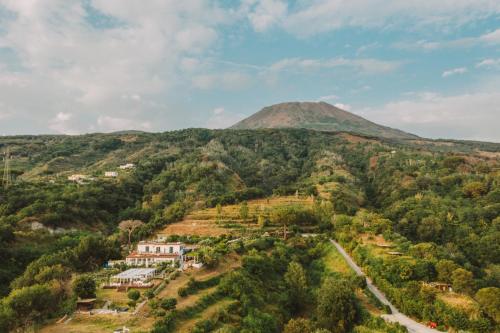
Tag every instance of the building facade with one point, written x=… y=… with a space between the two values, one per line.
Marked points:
x=151 y=253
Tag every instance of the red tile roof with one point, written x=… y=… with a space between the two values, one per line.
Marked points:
x=152 y=255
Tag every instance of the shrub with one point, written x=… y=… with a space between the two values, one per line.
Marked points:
x=134 y=295
x=168 y=303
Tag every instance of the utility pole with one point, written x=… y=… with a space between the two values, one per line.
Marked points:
x=7 y=178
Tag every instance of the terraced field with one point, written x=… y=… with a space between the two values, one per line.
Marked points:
x=207 y=222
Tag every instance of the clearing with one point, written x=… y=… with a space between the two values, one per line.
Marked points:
x=207 y=222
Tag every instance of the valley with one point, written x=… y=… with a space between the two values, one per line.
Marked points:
x=256 y=208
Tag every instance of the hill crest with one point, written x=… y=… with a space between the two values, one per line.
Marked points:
x=317 y=116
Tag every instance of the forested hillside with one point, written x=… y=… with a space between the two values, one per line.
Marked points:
x=441 y=197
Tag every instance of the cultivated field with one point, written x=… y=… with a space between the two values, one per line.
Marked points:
x=207 y=222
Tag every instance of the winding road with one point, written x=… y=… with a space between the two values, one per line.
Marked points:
x=396 y=316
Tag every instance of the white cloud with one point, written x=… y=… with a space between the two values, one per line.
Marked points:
x=489 y=63
x=264 y=14
x=232 y=80
x=472 y=116
x=342 y=106
x=218 y=111
x=61 y=123
x=364 y=65
x=111 y=124
x=318 y=16
x=492 y=37
x=69 y=63
x=454 y=71
x=222 y=119
x=327 y=98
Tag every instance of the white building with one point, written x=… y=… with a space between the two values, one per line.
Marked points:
x=150 y=253
x=138 y=277
x=80 y=179
x=112 y=174
x=127 y=166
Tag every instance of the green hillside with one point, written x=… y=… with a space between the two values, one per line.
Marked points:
x=438 y=201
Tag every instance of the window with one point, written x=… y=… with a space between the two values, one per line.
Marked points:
x=157 y=249
x=147 y=248
x=171 y=250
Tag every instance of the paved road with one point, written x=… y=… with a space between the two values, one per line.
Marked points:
x=396 y=316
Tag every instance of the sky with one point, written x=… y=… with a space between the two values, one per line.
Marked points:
x=428 y=67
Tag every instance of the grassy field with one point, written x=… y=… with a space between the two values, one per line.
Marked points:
x=207 y=222
x=334 y=262
x=461 y=302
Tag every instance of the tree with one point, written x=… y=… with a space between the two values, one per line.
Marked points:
x=84 y=286
x=462 y=280
x=262 y=221
x=474 y=189
x=429 y=229
x=299 y=325
x=489 y=299
x=219 y=212
x=444 y=270
x=295 y=278
x=168 y=303
x=129 y=226
x=336 y=306
x=210 y=257
x=244 y=211
x=31 y=303
x=134 y=295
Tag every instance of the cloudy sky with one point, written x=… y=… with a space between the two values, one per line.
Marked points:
x=68 y=66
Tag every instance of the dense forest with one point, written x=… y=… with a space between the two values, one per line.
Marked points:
x=438 y=202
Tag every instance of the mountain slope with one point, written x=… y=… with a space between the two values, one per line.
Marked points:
x=318 y=116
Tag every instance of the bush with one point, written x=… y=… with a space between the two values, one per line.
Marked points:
x=168 y=303
x=134 y=295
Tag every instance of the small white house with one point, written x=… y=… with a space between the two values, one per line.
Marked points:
x=111 y=174
x=77 y=178
x=127 y=166
x=150 y=253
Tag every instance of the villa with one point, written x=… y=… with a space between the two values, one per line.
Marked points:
x=151 y=253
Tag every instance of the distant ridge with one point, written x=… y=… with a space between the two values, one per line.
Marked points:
x=318 y=116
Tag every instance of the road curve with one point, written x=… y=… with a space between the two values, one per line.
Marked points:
x=396 y=316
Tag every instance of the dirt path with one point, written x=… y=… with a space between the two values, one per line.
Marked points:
x=396 y=316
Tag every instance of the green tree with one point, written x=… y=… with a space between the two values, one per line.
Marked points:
x=32 y=303
x=462 y=280
x=295 y=278
x=168 y=303
x=244 y=211
x=445 y=269
x=489 y=299
x=134 y=295
x=474 y=189
x=129 y=226
x=299 y=325
x=84 y=286
x=262 y=221
x=336 y=305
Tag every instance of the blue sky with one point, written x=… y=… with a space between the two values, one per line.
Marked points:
x=428 y=67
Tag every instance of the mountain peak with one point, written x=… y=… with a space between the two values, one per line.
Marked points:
x=318 y=116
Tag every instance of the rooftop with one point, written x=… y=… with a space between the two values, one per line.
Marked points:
x=135 y=273
x=153 y=255
x=160 y=242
